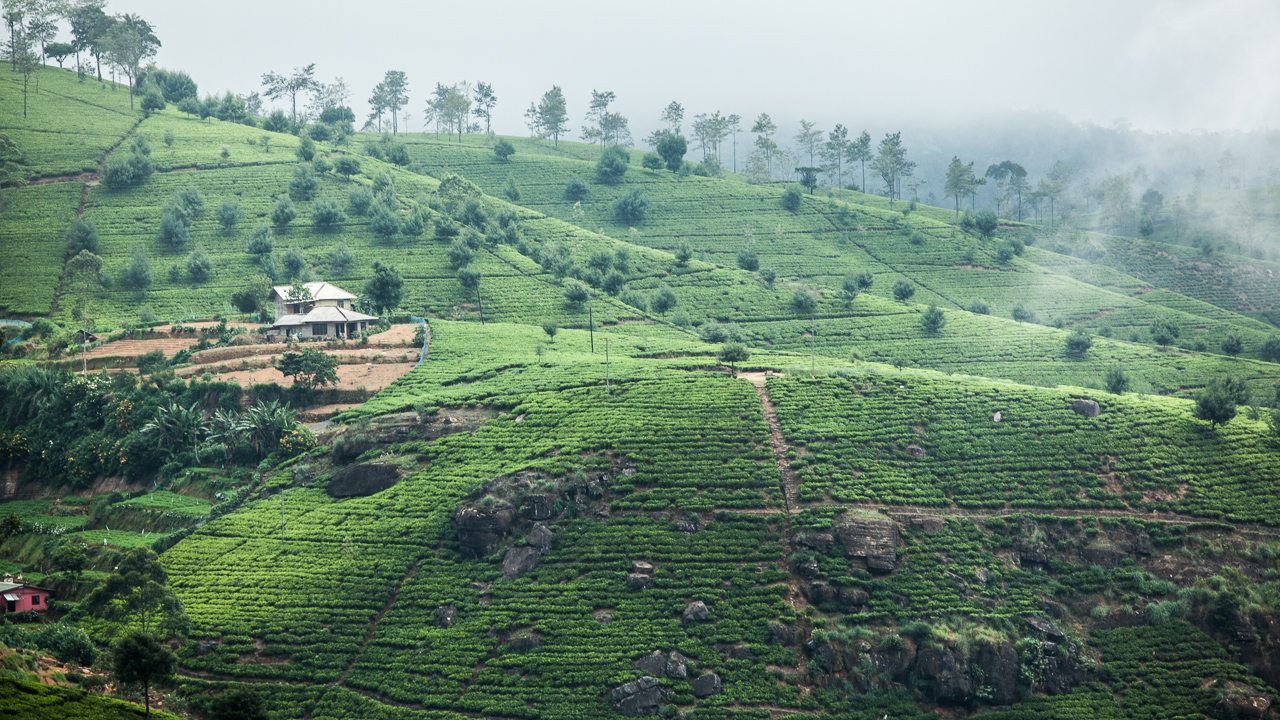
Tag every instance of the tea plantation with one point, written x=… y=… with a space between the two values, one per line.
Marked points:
x=739 y=455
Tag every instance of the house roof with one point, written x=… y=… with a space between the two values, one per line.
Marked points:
x=322 y=315
x=7 y=587
x=319 y=291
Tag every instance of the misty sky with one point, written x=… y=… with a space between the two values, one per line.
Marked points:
x=1162 y=64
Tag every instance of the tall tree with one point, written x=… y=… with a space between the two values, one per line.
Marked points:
x=456 y=109
x=84 y=277
x=378 y=104
x=553 y=114
x=485 y=100
x=809 y=138
x=961 y=181
x=385 y=289
x=140 y=659
x=860 y=152
x=396 y=86
x=130 y=43
x=15 y=14
x=22 y=52
x=892 y=165
x=733 y=124
x=85 y=18
x=834 y=150
x=137 y=593
x=1227 y=161
x=300 y=80
x=764 y=128
x=596 y=113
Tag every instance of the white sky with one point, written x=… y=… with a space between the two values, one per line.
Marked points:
x=1163 y=64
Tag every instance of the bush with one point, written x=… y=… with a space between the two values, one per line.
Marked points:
x=903 y=290
x=631 y=207
x=1078 y=343
x=304 y=185
x=635 y=299
x=122 y=171
x=172 y=231
x=576 y=190
x=199 y=266
x=652 y=161
x=1233 y=344
x=504 y=150
x=768 y=275
x=383 y=221
x=792 y=197
x=672 y=149
x=360 y=199
x=576 y=292
x=932 y=320
x=283 y=213
x=295 y=260
x=917 y=238
x=684 y=253
x=340 y=258
x=260 y=242
x=978 y=307
x=346 y=165
x=460 y=255
x=228 y=213
x=510 y=190
x=747 y=260
x=1164 y=332
x=137 y=276
x=612 y=165
x=327 y=212
x=1022 y=314
x=986 y=223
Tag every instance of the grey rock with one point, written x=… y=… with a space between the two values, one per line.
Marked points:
x=695 y=611
x=540 y=537
x=538 y=506
x=636 y=581
x=1045 y=627
x=523 y=643
x=781 y=634
x=1086 y=407
x=480 y=530
x=949 y=675
x=654 y=663
x=818 y=592
x=206 y=647
x=677 y=666
x=1242 y=701
x=641 y=567
x=706 y=685
x=999 y=665
x=874 y=539
x=445 y=616
x=519 y=561
x=639 y=698
x=1062 y=673
x=822 y=542
x=851 y=598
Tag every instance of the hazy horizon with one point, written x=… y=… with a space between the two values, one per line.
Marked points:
x=1160 y=65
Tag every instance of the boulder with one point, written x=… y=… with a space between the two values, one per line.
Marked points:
x=687 y=526
x=523 y=643
x=706 y=685
x=640 y=567
x=1104 y=555
x=677 y=666
x=519 y=561
x=781 y=634
x=481 y=529
x=852 y=598
x=1086 y=407
x=206 y=647
x=828 y=655
x=997 y=417
x=822 y=542
x=445 y=615
x=654 y=663
x=818 y=592
x=639 y=698
x=1045 y=627
x=739 y=652
x=695 y=611
x=874 y=539
x=999 y=665
x=894 y=662
x=916 y=451
x=365 y=478
x=540 y=537
x=636 y=581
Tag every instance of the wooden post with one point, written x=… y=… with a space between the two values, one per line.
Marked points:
x=591 y=328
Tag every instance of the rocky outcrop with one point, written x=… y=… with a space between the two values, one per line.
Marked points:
x=639 y=698
x=706 y=685
x=1062 y=668
x=781 y=634
x=821 y=542
x=998 y=663
x=519 y=561
x=873 y=539
x=524 y=643
x=695 y=611
x=1086 y=407
x=673 y=665
x=637 y=581
x=363 y=479
x=538 y=506
x=481 y=529
x=1244 y=702
x=818 y=593
x=1045 y=627
x=852 y=599
x=948 y=673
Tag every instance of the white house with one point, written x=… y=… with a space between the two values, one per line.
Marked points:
x=326 y=313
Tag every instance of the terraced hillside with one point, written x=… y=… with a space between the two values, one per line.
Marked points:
x=636 y=488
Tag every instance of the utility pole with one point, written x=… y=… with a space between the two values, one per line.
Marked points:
x=591 y=328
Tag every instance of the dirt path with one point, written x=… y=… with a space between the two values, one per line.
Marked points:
x=373 y=624
x=790 y=485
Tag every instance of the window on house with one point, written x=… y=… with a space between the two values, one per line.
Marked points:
x=35 y=599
